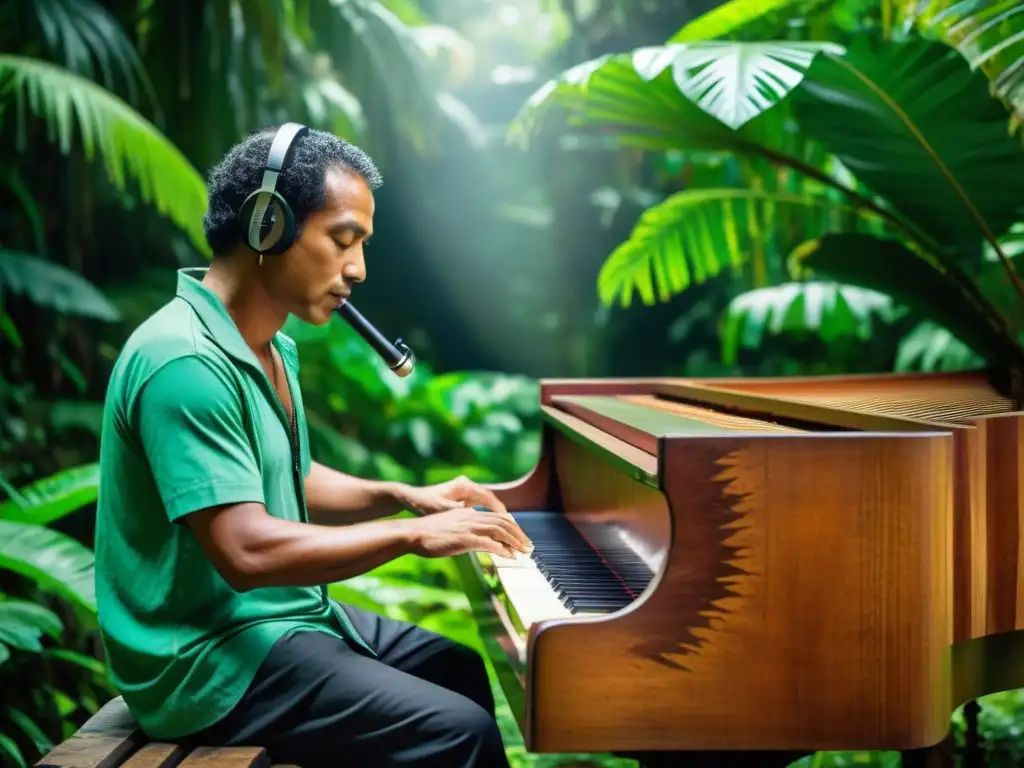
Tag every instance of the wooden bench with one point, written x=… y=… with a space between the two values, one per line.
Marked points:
x=111 y=739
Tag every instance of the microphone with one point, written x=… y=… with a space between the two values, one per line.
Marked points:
x=398 y=356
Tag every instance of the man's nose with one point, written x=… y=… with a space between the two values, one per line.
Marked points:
x=355 y=270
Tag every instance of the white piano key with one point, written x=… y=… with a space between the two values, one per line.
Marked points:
x=531 y=596
x=519 y=561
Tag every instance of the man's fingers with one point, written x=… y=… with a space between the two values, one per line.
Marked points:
x=522 y=540
x=509 y=533
x=492 y=546
x=477 y=495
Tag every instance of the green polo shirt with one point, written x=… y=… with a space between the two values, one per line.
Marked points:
x=192 y=421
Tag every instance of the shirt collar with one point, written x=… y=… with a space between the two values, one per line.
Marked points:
x=219 y=324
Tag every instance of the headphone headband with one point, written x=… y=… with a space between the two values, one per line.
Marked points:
x=282 y=231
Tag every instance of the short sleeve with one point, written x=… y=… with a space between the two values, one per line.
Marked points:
x=189 y=417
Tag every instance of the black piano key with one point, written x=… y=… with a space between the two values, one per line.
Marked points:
x=589 y=570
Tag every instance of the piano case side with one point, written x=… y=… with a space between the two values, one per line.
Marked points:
x=804 y=604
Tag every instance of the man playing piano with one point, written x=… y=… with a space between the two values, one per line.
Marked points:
x=216 y=532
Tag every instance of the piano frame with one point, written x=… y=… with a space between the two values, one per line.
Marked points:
x=843 y=578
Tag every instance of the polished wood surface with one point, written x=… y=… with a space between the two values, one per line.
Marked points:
x=744 y=570
x=839 y=562
x=988 y=472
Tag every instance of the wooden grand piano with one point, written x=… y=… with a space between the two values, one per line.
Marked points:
x=760 y=564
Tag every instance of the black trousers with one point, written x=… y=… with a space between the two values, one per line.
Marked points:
x=318 y=702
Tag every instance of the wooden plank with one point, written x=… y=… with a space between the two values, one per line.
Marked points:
x=227 y=757
x=157 y=755
x=103 y=741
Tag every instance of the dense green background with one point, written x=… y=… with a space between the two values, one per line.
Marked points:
x=572 y=188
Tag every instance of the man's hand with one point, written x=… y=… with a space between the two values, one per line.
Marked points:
x=457 y=531
x=460 y=492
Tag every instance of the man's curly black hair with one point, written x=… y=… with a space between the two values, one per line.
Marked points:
x=240 y=172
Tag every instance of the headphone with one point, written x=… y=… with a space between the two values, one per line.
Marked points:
x=252 y=216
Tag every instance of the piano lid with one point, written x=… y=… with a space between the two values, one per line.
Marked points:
x=642 y=420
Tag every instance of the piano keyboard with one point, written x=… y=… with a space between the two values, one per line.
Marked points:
x=574 y=569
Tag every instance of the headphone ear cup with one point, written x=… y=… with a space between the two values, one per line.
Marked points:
x=276 y=232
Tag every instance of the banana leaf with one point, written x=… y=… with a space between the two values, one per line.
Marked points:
x=922 y=286
x=53 y=497
x=913 y=123
x=53 y=286
x=22 y=624
x=56 y=562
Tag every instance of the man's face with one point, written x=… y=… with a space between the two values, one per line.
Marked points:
x=321 y=267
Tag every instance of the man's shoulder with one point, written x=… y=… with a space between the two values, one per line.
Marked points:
x=174 y=332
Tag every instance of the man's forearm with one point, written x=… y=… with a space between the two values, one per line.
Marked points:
x=252 y=549
x=334 y=498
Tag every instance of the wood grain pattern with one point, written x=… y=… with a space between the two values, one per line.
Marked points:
x=157 y=755
x=103 y=741
x=227 y=757
x=756 y=522
x=988 y=515
x=851 y=559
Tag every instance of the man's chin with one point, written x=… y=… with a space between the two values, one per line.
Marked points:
x=315 y=316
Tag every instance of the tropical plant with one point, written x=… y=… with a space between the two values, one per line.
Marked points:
x=50 y=678
x=989 y=34
x=885 y=165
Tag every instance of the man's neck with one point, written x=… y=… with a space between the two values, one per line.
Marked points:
x=255 y=314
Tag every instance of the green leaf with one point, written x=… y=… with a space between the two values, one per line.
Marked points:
x=828 y=310
x=129 y=145
x=930 y=347
x=731 y=17
x=53 y=286
x=9 y=748
x=55 y=561
x=989 y=34
x=913 y=123
x=22 y=624
x=914 y=281
x=78 y=659
x=694 y=235
x=732 y=82
x=40 y=740
x=609 y=96
x=54 y=497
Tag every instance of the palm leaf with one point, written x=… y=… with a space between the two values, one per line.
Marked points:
x=607 y=94
x=22 y=624
x=694 y=235
x=828 y=310
x=989 y=34
x=54 y=497
x=56 y=562
x=86 y=37
x=52 y=286
x=129 y=145
x=931 y=347
x=914 y=124
x=919 y=284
